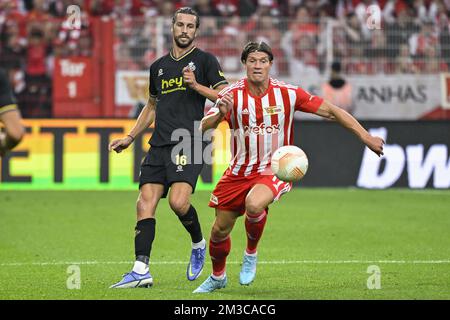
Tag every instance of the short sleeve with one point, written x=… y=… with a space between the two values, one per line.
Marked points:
x=214 y=73
x=152 y=78
x=307 y=102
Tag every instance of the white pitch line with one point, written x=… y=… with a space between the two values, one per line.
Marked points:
x=60 y=263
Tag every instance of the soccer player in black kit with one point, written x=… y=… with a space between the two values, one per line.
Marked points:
x=180 y=82
x=9 y=116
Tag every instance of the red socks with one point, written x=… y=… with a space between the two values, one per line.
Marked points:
x=219 y=251
x=254 y=225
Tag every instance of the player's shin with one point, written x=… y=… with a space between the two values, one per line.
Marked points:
x=219 y=250
x=254 y=226
x=192 y=225
x=145 y=234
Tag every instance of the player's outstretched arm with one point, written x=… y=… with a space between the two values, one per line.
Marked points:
x=190 y=80
x=222 y=107
x=332 y=112
x=14 y=131
x=145 y=119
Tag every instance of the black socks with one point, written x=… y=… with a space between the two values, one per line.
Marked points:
x=145 y=234
x=192 y=225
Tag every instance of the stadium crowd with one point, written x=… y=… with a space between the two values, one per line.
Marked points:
x=413 y=36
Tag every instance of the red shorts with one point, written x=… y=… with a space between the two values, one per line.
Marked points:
x=231 y=191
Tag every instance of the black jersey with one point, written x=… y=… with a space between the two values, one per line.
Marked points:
x=7 y=101
x=179 y=106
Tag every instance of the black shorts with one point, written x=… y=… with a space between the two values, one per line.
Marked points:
x=160 y=167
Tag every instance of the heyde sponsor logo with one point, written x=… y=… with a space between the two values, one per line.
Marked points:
x=420 y=165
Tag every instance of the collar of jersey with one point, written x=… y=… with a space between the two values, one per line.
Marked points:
x=261 y=95
x=184 y=55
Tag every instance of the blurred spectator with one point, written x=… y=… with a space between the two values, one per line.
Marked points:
x=427 y=37
x=353 y=36
x=431 y=62
x=38 y=85
x=266 y=30
x=205 y=8
x=232 y=40
x=356 y=63
x=337 y=90
x=13 y=46
x=267 y=8
x=226 y=8
x=343 y=8
x=376 y=53
x=124 y=60
x=363 y=14
x=100 y=7
x=391 y=9
x=207 y=36
x=414 y=36
x=403 y=62
x=36 y=56
x=399 y=32
x=300 y=44
x=353 y=29
x=289 y=7
x=444 y=39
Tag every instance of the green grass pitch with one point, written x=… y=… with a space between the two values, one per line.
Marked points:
x=318 y=244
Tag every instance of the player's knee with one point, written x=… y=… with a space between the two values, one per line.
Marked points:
x=179 y=205
x=144 y=208
x=219 y=232
x=253 y=207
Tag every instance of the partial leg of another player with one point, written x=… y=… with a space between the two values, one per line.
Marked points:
x=256 y=202
x=148 y=199
x=219 y=248
x=180 y=202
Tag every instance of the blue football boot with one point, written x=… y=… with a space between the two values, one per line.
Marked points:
x=211 y=284
x=134 y=280
x=248 y=270
x=196 y=263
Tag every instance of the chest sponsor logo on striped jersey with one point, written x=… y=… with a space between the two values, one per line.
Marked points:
x=271 y=110
x=262 y=129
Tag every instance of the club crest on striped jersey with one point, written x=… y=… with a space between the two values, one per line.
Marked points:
x=271 y=110
x=214 y=199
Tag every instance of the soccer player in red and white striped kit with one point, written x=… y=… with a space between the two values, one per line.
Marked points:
x=260 y=111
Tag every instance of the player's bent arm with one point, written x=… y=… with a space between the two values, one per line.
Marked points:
x=14 y=129
x=211 y=121
x=222 y=107
x=332 y=112
x=209 y=93
x=145 y=119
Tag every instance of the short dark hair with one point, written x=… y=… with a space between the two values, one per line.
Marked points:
x=256 y=46
x=187 y=10
x=336 y=66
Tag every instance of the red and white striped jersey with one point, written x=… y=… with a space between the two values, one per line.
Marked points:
x=262 y=124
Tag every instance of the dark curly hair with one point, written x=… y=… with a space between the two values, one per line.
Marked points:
x=256 y=46
x=187 y=10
